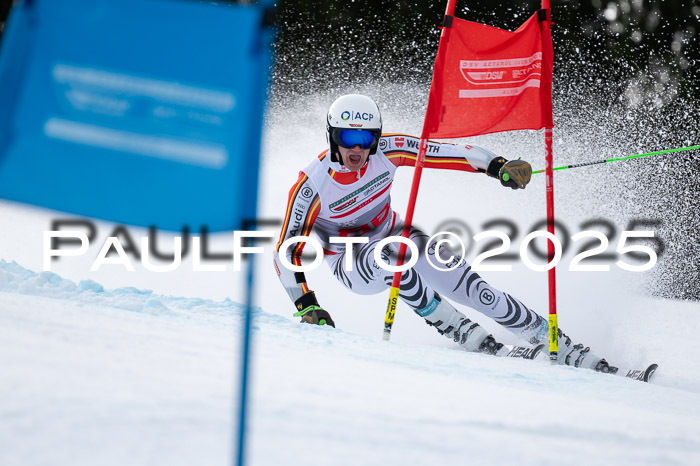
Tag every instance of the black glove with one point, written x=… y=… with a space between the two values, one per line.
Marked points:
x=513 y=174
x=310 y=312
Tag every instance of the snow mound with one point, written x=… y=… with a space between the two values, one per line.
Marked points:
x=17 y=279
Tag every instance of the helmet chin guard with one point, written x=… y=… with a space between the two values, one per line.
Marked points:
x=352 y=111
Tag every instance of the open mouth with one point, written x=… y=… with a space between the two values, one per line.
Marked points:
x=355 y=158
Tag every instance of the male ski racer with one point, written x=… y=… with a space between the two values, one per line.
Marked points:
x=345 y=192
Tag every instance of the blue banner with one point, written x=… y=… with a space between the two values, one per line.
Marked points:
x=141 y=112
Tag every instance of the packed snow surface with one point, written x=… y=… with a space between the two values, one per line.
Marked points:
x=127 y=376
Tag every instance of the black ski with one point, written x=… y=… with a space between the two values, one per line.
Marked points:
x=537 y=352
x=643 y=375
x=523 y=352
x=532 y=352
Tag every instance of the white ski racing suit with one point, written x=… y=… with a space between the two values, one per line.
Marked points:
x=336 y=202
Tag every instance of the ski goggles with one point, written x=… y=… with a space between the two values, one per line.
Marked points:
x=349 y=138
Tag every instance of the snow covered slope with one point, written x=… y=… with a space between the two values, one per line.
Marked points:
x=127 y=376
x=102 y=374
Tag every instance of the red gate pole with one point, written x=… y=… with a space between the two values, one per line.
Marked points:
x=547 y=112
x=418 y=170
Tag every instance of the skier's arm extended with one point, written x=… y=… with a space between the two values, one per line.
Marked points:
x=402 y=150
x=302 y=209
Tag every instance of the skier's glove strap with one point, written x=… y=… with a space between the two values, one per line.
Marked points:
x=514 y=174
x=310 y=312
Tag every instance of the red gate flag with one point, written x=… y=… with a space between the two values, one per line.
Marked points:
x=487 y=80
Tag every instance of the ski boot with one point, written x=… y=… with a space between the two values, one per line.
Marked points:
x=469 y=335
x=569 y=354
x=490 y=346
x=605 y=368
x=453 y=324
x=579 y=356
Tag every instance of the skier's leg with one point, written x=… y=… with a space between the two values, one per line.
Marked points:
x=367 y=277
x=458 y=282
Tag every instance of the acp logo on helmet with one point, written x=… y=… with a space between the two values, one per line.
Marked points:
x=346 y=115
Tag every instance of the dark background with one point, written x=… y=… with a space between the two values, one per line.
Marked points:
x=398 y=39
x=323 y=43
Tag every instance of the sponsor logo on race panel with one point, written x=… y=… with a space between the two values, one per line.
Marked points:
x=500 y=78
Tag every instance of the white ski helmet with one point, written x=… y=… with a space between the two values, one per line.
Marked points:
x=353 y=119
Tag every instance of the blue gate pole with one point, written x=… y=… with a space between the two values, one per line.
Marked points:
x=265 y=39
x=247 y=323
